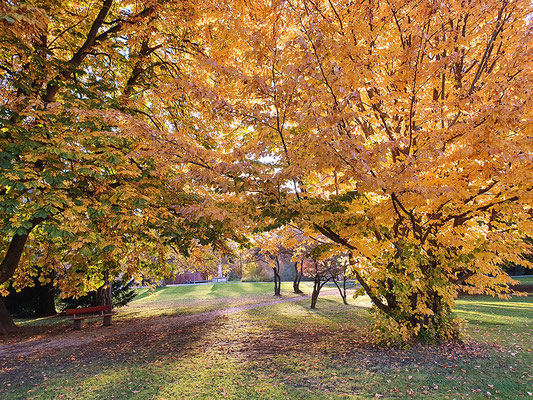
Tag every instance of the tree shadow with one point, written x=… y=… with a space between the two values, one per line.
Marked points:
x=124 y=350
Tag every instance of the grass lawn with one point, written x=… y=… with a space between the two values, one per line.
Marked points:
x=281 y=351
x=187 y=299
x=210 y=291
x=193 y=299
x=525 y=280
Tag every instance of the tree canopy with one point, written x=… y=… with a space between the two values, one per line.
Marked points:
x=94 y=142
x=399 y=131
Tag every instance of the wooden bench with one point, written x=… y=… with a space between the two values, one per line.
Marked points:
x=90 y=312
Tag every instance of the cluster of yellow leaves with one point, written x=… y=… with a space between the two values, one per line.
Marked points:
x=389 y=128
x=399 y=132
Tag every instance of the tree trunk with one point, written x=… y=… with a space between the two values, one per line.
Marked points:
x=104 y=295
x=47 y=304
x=6 y=322
x=297 y=278
x=46 y=295
x=11 y=259
x=108 y=291
x=344 y=288
x=341 y=291
x=316 y=291
x=7 y=268
x=277 y=282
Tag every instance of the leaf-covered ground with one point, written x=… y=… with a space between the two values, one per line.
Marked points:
x=278 y=351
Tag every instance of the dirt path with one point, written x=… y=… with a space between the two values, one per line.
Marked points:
x=127 y=328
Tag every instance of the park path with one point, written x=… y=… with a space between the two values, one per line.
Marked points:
x=125 y=328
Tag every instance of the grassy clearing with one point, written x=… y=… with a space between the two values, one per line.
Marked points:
x=287 y=351
x=212 y=291
x=185 y=300
x=194 y=299
x=525 y=280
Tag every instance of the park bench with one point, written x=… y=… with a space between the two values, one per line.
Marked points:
x=90 y=312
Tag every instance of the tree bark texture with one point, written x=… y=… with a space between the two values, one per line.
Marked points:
x=6 y=322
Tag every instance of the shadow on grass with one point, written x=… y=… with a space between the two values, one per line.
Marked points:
x=487 y=311
x=281 y=351
x=103 y=358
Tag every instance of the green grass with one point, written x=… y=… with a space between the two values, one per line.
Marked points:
x=525 y=280
x=212 y=291
x=284 y=351
x=190 y=299
x=194 y=299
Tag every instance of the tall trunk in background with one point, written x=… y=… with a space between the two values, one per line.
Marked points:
x=277 y=281
x=276 y=268
x=297 y=278
x=49 y=304
x=46 y=293
x=342 y=291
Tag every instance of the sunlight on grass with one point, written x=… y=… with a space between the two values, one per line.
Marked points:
x=525 y=279
x=213 y=290
x=282 y=351
x=517 y=312
x=42 y=321
x=194 y=299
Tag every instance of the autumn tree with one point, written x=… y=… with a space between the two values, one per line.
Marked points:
x=94 y=155
x=300 y=245
x=269 y=250
x=401 y=131
x=323 y=268
x=298 y=274
x=315 y=270
x=341 y=271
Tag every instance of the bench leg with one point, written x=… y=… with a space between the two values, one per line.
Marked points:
x=107 y=320
x=77 y=324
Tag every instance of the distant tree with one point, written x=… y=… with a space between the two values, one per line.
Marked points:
x=298 y=274
x=340 y=265
x=253 y=271
x=323 y=271
x=274 y=249
x=315 y=270
x=301 y=247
